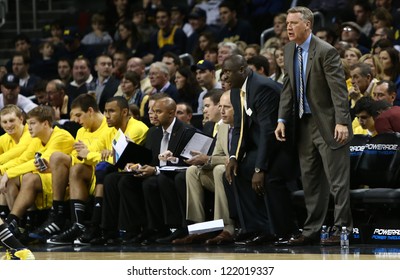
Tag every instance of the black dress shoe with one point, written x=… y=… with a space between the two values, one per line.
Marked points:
x=157 y=234
x=179 y=233
x=299 y=240
x=242 y=236
x=263 y=238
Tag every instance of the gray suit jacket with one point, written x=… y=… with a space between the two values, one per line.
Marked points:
x=325 y=90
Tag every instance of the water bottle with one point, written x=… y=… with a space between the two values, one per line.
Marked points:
x=40 y=161
x=324 y=233
x=344 y=238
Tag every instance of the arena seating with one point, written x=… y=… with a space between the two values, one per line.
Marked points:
x=375 y=179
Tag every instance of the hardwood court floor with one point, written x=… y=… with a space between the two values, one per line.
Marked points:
x=200 y=252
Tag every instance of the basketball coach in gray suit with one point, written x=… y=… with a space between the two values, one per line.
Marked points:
x=314 y=103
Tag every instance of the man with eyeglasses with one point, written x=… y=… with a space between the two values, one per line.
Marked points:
x=351 y=33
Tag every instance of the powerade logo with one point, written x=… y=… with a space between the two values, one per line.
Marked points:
x=356 y=149
x=386 y=234
x=356 y=233
x=382 y=147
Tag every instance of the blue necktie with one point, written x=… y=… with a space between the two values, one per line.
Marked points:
x=301 y=81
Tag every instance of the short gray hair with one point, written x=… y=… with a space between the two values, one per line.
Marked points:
x=305 y=12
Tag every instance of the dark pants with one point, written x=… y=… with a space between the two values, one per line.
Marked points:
x=162 y=202
x=123 y=206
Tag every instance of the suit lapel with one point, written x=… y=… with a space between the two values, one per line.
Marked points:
x=290 y=63
x=311 y=55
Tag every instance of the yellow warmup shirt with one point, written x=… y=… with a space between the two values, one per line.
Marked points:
x=135 y=131
x=9 y=149
x=90 y=137
x=60 y=140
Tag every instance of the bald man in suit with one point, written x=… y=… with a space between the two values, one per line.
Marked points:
x=314 y=102
x=258 y=169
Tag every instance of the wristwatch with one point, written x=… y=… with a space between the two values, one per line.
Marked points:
x=257 y=170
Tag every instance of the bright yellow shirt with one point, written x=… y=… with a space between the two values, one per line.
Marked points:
x=9 y=149
x=60 y=140
x=135 y=131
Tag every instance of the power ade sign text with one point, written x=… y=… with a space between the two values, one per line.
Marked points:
x=386 y=234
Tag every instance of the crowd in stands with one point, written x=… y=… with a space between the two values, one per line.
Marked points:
x=127 y=73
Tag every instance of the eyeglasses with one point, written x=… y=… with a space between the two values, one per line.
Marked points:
x=347 y=29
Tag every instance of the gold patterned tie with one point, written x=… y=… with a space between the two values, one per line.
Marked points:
x=242 y=97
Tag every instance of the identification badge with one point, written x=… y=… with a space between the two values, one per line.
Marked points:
x=249 y=112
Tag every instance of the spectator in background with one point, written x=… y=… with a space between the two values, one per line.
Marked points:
x=269 y=54
x=381 y=45
x=10 y=90
x=259 y=64
x=3 y=71
x=159 y=79
x=381 y=17
x=225 y=84
x=198 y=20
x=225 y=49
x=64 y=70
x=129 y=40
x=173 y=62
x=23 y=46
x=74 y=48
x=280 y=66
x=206 y=77
x=211 y=53
x=139 y=18
x=137 y=65
x=81 y=79
x=362 y=11
x=375 y=64
x=381 y=33
x=351 y=33
x=106 y=85
x=167 y=37
x=178 y=19
x=98 y=36
x=385 y=90
x=188 y=87
x=130 y=86
x=20 y=68
x=184 y=112
x=119 y=64
x=116 y=11
x=56 y=35
x=388 y=119
x=327 y=35
x=47 y=63
x=39 y=90
x=279 y=24
x=58 y=100
x=234 y=29
x=251 y=50
x=352 y=55
x=389 y=58
x=205 y=39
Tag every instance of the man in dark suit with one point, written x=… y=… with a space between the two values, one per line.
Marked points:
x=314 y=101
x=106 y=84
x=20 y=68
x=146 y=199
x=255 y=167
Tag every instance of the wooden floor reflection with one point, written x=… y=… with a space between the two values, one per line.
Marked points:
x=199 y=252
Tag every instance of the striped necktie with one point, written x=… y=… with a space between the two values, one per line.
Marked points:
x=301 y=81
